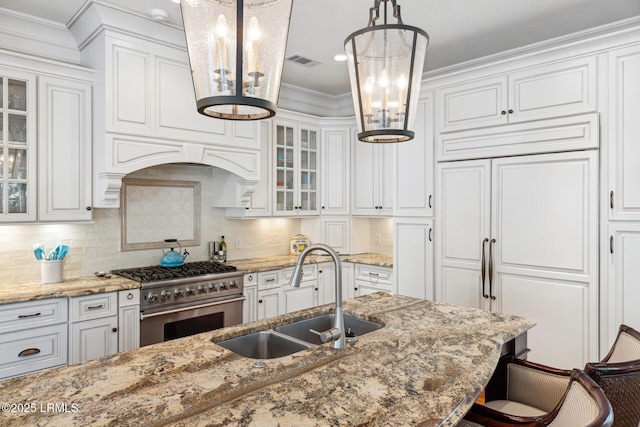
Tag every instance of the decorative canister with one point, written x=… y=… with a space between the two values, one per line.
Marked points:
x=298 y=243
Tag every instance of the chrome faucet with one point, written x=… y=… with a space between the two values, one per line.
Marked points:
x=335 y=334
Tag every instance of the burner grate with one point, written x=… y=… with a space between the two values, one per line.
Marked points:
x=156 y=273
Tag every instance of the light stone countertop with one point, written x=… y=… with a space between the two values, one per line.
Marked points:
x=256 y=265
x=86 y=285
x=73 y=287
x=425 y=367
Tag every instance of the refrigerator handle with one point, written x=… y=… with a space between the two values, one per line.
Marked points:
x=491 y=269
x=483 y=264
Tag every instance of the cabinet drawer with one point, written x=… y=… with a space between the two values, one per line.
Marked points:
x=373 y=274
x=268 y=280
x=309 y=272
x=94 y=306
x=28 y=351
x=129 y=297
x=32 y=314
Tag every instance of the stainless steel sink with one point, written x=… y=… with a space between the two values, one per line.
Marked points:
x=264 y=345
x=301 y=329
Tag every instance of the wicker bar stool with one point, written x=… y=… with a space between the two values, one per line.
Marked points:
x=619 y=376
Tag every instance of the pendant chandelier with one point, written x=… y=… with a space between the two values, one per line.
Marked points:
x=236 y=51
x=385 y=69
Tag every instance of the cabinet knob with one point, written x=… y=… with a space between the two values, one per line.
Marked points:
x=510 y=111
x=260 y=301
x=129 y=295
x=114 y=330
x=88 y=208
x=503 y=112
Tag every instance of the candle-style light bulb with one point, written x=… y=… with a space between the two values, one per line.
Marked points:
x=402 y=87
x=368 y=90
x=384 y=84
x=253 y=35
x=222 y=29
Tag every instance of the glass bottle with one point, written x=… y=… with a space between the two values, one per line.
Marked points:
x=223 y=250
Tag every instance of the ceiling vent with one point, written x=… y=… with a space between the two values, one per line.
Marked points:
x=302 y=61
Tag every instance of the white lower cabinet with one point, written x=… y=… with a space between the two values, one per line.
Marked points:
x=270 y=300
x=128 y=320
x=413 y=257
x=305 y=296
x=33 y=336
x=623 y=273
x=93 y=330
x=519 y=235
x=250 y=304
x=369 y=279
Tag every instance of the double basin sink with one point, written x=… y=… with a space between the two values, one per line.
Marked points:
x=293 y=337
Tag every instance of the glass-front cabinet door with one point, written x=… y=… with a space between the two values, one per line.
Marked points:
x=296 y=169
x=17 y=142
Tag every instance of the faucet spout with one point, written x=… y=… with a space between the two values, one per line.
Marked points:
x=337 y=332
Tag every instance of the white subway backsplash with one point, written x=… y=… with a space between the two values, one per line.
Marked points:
x=95 y=246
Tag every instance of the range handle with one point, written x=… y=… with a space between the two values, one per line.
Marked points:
x=493 y=297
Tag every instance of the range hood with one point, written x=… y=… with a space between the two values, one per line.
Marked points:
x=144 y=106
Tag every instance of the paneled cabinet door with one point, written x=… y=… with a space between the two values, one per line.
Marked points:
x=413 y=257
x=414 y=164
x=623 y=293
x=92 y=339
x=372 y=166
x=624 y=134
x=64 y=150
x=335 y=171
x=306 y=296
x=128 y=320
x=518 y=236
x=250 y=304
x=547 y=91
x=270 y=303
x=296 y=166
x=18 y=136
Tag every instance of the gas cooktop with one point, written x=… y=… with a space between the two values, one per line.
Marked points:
x=155 y=273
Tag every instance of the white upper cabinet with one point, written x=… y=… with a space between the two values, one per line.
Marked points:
x=624 y=134
x=296 y=166
x=413 y=172
x=372 y=180
x=18 y=138
x=335 y=148
x=552 y=90
x=64 y=149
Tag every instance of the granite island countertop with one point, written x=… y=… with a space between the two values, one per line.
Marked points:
x=425 y=367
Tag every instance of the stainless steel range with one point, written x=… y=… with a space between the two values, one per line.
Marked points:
x=181 y=301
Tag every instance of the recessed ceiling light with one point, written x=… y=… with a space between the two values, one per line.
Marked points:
x=159 y=14
x=340 y=57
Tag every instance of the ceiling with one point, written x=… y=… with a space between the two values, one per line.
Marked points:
x=459 y=30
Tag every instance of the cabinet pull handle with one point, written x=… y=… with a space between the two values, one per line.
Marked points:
x=491 y=269
x=430 y=205
x=129 y=295
x=611 y=199
x=95 y=307
x=373 y=274
x=271 y=280
x=430 y=239
x=24 y=316
x=611 y=244
x=29 y=352
x=484 y=267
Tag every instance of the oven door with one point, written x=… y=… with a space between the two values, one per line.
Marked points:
x=181 y=322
